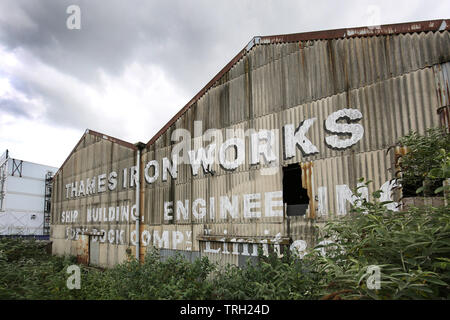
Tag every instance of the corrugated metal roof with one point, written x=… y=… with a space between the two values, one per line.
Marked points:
x=100 y=135
x=383 y=30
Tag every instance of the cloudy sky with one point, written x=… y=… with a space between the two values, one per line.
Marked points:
x=134 y=64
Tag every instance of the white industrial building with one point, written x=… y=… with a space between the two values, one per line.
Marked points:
x=25 y=191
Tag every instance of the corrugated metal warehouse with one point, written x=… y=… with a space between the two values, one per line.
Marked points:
x=270 y=148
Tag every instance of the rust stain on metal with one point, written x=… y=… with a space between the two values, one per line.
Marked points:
x=142 y=249
x=441 y=75
x=400 y=151
x=83 y=250
x=442 y=90
x=444 y=117
x=390 y=29
x=307 y=185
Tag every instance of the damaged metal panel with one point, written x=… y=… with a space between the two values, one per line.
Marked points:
x=83 y=249
x=94 y=253
x=188 y=255
x=308 y=184
x=442 y=75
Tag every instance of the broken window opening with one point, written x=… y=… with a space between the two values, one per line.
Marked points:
x=294 y=195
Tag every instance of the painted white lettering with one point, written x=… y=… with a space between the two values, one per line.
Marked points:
x=271 y=203
x=266 y=149
x=74 y=189
x=386 y=194
x=355 y=130
x=344 y=194
x=292 y=139
x=208 y=248
x=101 y=183
x=322 y=201
x=238 y=146
x=134 y=176
x=111 y=236
x=171 y=168
x=230 y=207
x=154 y=177
x=133 y=237
x=145 y=238
x=133 y=212
x=199 y=213
x=177 y=238
x=212 y=212
x=203 y=157
x=124 y=213
x=68 y=190
x=125 y=178
x=161 y=242
x=183 y=209
x=112 y=213
x=168 y=210
x=112 y=180
x=90 y=186
x=81 y=190
x=252 y=201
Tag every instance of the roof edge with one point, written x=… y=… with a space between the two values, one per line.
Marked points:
x=388 y=29
x=100 y=135
x=112 y=139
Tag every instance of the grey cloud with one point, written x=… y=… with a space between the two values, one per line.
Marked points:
x=14 y=108
x=190 y=40
x=187 y=38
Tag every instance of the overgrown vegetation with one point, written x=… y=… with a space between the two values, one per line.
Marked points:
x=411 y=248
x=427 y=162
x=28 y=272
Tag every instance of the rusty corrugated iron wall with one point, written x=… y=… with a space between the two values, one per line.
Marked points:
x=396 y=76
x=97 y=241
x=391 y=79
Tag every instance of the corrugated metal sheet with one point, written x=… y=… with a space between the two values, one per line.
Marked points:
x=390 y=79
x=95 y=154
x=442 y=76
x=188 y=255
x=303 y=40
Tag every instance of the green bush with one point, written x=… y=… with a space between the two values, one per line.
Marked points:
x=270 y=277
x=175 y=278
x=28 y=272
x=427 y=162
x=411 y=247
